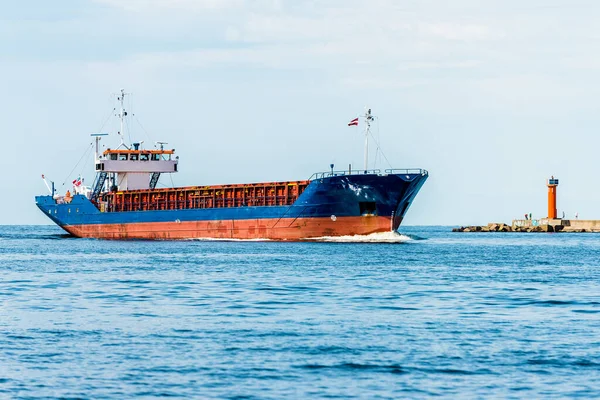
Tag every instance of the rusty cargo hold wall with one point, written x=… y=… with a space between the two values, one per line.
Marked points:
x=248 y=195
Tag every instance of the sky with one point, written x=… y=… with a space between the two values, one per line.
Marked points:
x=491 y=97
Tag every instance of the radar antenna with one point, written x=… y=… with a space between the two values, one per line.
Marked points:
x=97 y=137
x=161 y=144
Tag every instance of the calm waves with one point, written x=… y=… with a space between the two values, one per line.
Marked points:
x=435 y=314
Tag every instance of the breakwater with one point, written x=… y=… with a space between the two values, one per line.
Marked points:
x=536 y=225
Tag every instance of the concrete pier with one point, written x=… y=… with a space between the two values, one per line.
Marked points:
x=537 y=225
x=558 y=225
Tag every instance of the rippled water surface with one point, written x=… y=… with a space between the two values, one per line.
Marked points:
x=446 y=314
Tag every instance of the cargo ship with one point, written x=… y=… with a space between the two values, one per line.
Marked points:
x=124 y=202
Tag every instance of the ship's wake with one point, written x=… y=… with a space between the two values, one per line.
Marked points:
x=378 y=237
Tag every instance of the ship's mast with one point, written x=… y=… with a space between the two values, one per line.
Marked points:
x=368 y=118
x=122 y=115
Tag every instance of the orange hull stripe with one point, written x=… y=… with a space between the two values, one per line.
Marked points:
x=273 y=229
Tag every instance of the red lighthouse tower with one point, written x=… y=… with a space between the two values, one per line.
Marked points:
x=552 y=184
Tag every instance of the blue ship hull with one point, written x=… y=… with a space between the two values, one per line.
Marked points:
x=329 y=206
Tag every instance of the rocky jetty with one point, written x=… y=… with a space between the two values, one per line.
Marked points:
x=491 y=227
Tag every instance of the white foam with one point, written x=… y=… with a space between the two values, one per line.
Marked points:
x=378 y=237
x=208 y=239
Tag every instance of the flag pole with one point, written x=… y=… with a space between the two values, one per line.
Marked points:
x=366 y=146
x=368 y=118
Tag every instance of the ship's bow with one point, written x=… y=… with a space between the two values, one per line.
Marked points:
x=363 y=203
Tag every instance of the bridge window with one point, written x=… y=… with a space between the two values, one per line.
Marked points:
x=113 y=156
x=155 y=157
x=122 y=157
x=134 y=157
x=144 y=157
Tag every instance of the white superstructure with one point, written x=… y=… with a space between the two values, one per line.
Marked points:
x=130 y=167
x=134 y=169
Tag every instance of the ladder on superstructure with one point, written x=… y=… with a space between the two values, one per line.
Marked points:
x=98 y=186
x=154 y=179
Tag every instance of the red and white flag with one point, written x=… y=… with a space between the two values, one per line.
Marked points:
x=77 y=182
x=354 y=122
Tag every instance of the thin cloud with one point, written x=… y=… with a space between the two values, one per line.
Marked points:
x=153 y=6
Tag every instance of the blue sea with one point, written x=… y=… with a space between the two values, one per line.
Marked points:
x=429 y=314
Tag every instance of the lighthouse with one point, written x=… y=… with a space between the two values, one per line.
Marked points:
x=552 y=185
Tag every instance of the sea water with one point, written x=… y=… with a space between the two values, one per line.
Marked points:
x=423 y=314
